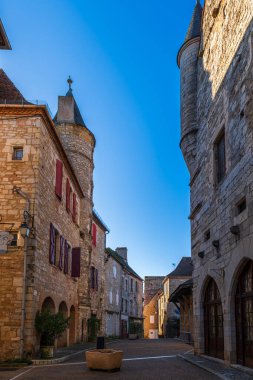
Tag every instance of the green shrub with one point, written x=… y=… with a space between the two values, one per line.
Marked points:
x=50 y=326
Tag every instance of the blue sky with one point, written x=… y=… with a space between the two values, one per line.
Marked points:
x=121 y=55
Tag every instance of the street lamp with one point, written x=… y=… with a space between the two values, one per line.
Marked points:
x=24 y=230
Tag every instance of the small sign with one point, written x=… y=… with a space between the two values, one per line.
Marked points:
x=5 y=239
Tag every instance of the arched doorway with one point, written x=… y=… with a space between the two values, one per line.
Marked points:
x=72 y=326
x=244 y=316
x=48 y=304
x=62 y=341
x=213 y=322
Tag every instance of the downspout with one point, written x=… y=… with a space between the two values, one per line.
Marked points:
x=17 y=190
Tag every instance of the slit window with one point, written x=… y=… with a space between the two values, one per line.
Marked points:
x=220 y=156
x=207 y=235
x=241 y=206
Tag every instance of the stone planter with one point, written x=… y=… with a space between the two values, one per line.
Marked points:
x=132 y=336
x=47 y=352
x=104 y=360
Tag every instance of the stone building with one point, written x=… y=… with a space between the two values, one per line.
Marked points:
x=152 y=291
x=216 y=67
x=46 y=185
x=179 y=275
x=130 y=293
x=161 y=314
x=96 y=323
x=113 y=284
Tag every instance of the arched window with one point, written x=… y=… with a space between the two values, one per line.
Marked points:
x=213 y=324
x=244 y=316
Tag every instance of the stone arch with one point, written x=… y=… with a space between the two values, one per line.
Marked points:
x=48 y=304
x=63 y=340
x=72 y=325
x=213 y=320
x=241 y=306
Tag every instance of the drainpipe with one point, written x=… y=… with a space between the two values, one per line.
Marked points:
x=18 y=190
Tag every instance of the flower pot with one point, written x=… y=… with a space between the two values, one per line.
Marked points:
x=47 y=352
x=104 y=359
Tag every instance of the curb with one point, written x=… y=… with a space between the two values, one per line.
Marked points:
x=204 y=367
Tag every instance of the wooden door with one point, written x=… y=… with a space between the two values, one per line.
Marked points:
x=244 y=316
x=213 y=322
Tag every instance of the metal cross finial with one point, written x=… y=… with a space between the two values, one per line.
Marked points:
x=70 y=81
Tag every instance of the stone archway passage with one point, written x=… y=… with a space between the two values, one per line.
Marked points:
x=63 y=341
x=244 y=316
x=48 y=304
x=213 y=323
x=72 y=326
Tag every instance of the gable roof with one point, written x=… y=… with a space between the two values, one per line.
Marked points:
x=183 y=269
x=4 y=42
x=9 y=94
x=122 y=262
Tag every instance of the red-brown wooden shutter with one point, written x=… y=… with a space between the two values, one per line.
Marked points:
x=94 y=234
x=58 y=180
x=67 y=195
x=66 y=257
x=61 y=252
x=74 y=208
x=52 y=244
x=76 y=262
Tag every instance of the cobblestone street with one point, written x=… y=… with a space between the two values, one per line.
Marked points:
x=143 y=359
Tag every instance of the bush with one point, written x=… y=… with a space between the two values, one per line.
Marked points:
x=50 y=326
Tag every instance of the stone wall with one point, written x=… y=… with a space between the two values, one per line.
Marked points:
x=151 y=285
x=224 y=102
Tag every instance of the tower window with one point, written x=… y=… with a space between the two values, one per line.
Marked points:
x=220 y=156
x=17 y=154
x=241 y=206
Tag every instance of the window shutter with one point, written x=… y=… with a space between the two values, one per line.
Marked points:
x=66 y=257
x=76 y=261
x=61 y=252
x=52 y=244
x=92 y=278
x=74 y=208
x=68 y=195
x=58 y=180
x=94 y=234
x=96 y=279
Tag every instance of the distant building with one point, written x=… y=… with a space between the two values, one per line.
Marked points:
x=130 y=292
x=152 y=290
x=179 y=275
x=96 y=322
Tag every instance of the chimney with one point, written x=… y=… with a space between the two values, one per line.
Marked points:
x=122 y=252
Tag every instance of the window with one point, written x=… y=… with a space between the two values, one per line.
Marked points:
x=207 y=235
x=152 y=319
x=93 y=278
x=110 y=296
x=56 y=247
x=17 y=153
x=241 y=206
x=126 y=285
x=58 y=179
x=114 y=269
x=136 y=286
x=14 y=241
x=117 y=298
x=220 y=156
x=76 y=261
x=126 y=306
x=94 y=234
x=74 y=215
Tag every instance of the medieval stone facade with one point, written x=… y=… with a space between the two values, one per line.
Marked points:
x=46 y=184
x=216 y=66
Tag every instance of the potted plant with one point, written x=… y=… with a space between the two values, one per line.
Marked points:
x=50 y=326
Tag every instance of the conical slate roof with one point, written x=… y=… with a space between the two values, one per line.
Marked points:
x=9 y=94
x=76 y=117
x=194 y=29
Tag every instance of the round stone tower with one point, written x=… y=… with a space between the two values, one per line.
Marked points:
x=79 y=143
x=187 y=60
